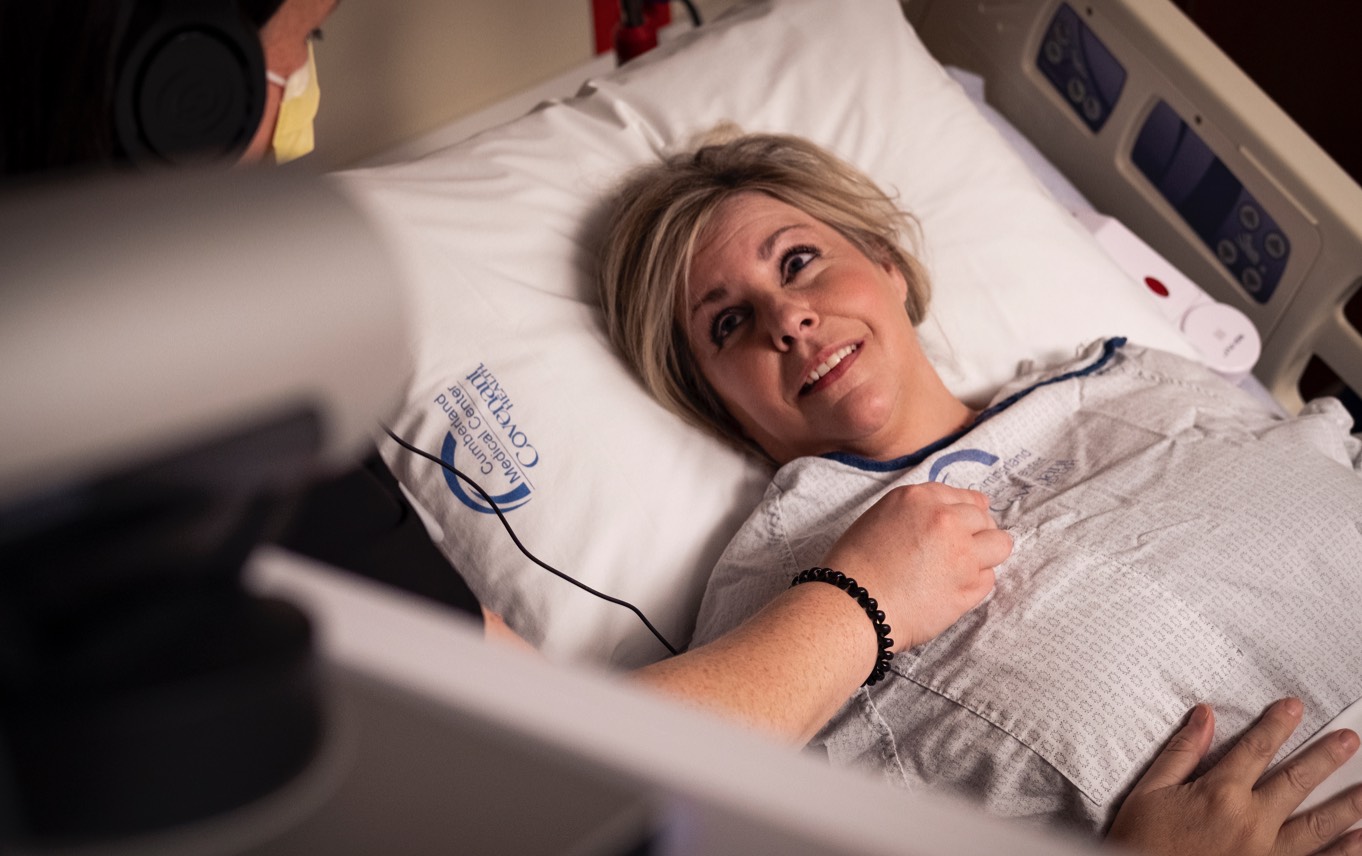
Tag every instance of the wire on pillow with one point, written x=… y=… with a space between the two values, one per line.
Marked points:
x=579 y=584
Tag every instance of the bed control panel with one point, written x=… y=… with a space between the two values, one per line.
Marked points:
x=1212 y=201
x=1081 y=68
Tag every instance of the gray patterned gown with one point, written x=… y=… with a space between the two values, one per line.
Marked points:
x=1175 y=542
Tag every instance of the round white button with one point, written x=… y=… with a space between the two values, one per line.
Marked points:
x=1225 y=337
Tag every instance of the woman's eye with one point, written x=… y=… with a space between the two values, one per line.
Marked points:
x=794 y=260
x=723 y=324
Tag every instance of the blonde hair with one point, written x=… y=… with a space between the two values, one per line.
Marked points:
x=660 y=215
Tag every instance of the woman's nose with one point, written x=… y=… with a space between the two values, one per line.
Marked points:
x=789 y=320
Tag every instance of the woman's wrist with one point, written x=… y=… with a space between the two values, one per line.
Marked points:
x=886 y=591
x=848 y=640
x=787 y=670
x=863 y=599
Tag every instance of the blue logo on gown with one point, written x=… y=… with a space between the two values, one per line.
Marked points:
x=974 y=456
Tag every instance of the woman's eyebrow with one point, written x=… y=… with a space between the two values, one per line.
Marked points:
x=768 y=245
x=714 y=295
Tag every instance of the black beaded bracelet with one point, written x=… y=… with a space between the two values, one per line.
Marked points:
x=872 y=609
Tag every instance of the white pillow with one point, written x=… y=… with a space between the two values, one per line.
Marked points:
x=497 y=236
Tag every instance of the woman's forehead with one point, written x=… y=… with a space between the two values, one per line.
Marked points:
x=748 y=208
x=746 y=224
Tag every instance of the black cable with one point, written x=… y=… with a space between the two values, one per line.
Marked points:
x=690 y=8
x=694 y=13
x=581 y=585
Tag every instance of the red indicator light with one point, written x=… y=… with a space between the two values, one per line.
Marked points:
x=1155 y=286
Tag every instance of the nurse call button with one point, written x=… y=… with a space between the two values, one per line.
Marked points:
x=1226 y=339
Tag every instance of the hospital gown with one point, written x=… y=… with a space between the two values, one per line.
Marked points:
x=1175 y=541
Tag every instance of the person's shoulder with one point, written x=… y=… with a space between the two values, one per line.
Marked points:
x=1087 y=359
x=1189 y=378
x=1116 y=358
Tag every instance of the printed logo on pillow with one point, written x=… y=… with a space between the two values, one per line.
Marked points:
x=486 y=443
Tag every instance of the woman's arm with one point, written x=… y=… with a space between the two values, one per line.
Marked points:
x=925 y=552
x=1233 y=808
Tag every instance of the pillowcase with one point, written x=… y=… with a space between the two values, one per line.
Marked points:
x=514 y=381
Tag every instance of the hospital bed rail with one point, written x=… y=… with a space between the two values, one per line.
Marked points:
x=1160 y=129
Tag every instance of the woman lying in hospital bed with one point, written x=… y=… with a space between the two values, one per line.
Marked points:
x=1172 y=539
x=499 y=236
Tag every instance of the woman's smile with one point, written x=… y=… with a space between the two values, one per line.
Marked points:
x=830 y=369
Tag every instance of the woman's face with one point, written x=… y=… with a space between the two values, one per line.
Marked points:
x=804 y=338
x=284 y=41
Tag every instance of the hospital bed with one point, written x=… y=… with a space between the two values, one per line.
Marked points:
x=1144 y=118
x=511 y=379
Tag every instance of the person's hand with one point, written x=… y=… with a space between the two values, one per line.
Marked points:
x=1233 y=808
x=495 y=628
x=926 y=553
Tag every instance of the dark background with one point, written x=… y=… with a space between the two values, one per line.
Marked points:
x=1305 y=55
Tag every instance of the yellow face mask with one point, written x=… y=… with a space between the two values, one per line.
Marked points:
x=293 y=129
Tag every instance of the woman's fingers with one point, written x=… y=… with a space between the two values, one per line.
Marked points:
x=1249 y=757
x=1290 y=784
x=1223 y=812
x=993 y=547
x=971 y=514
x=1347 y=845
x=974 y=497
x=949 y=494
x=1180 y=755
x=1287 y=786
x=1309 y=830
